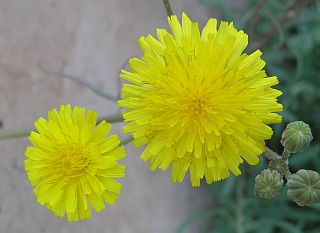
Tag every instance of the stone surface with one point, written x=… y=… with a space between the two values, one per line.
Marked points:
x=91 y=40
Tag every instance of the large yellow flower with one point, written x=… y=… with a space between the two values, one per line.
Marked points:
x=198 y=102
x=72 y=163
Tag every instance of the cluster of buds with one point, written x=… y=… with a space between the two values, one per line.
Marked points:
x=304 y=185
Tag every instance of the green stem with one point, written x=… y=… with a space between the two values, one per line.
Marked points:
x=271 y=155
x=26 y=132
x=115 y=118
x=285 y=154
x=83 y=82
x=15 y=134
x=126 y=141
x=285 y=159
x=168 y=7
x=287 y=172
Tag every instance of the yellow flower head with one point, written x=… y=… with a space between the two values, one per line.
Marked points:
x=72 y=163
x=198 y=102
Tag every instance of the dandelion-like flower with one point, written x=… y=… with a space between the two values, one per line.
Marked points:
x=198 y=102
x=73 y=163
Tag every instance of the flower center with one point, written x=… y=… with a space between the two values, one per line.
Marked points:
x=197 y=105
x=73 y=162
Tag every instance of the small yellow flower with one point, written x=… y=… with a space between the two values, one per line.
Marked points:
x=198 y=102
x=73 y=163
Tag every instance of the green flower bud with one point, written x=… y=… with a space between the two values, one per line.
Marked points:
x=296 y=137
x=278 y=165
x=304 y=187
x=268 y=184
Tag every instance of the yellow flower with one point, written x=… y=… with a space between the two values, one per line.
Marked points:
x=197 y=102
x=72 y=163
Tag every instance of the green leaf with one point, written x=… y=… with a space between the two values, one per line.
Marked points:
x=88 y=85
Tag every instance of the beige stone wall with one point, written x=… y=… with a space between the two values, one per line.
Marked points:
x=90 y=39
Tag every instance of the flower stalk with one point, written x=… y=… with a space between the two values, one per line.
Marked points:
x=126 y=141
x=285 y=154
x=88 y=85
x=168 y=7
x=26 y=132
x=270 y=154
x=15 y=134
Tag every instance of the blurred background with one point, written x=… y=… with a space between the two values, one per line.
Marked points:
x=92 y=40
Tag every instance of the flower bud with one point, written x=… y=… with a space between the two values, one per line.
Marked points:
x=296 y=137
x=304 y=187
x=268 y=184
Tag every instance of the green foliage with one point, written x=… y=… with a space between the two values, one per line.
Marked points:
x=258 y=215
x=296 y=63
x=288 y=33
